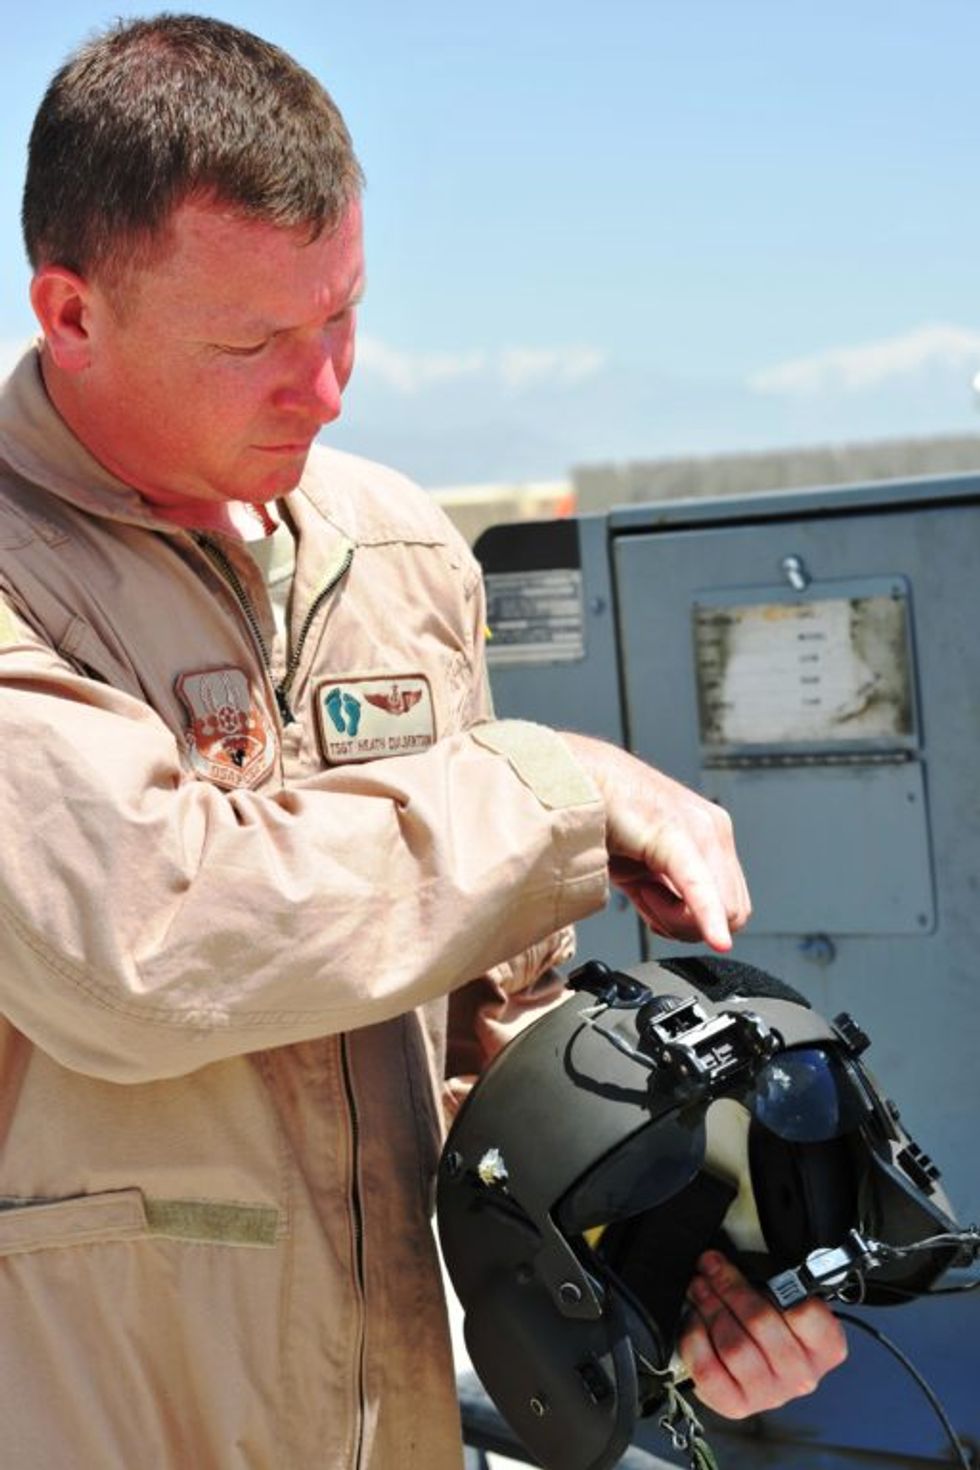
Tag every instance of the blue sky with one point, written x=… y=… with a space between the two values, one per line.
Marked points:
x=630 y=229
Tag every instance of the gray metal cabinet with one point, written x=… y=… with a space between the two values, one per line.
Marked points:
x=811 y=660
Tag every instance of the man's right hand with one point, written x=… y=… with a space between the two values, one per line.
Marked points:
x=670 y=851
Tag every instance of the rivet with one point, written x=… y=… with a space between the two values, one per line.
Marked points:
x=795 y=572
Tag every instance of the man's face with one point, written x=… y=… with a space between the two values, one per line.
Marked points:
x=212 y=369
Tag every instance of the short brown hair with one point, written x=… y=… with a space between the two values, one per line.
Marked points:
x=157 y=111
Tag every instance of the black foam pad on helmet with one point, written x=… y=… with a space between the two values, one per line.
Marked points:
x=806 y=1194
x=719 y=978
x=653 y=1254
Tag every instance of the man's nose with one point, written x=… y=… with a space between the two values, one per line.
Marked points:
x=326 y=388
x=316 y=384
x=322 y=385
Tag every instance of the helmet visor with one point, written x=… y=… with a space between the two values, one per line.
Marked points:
x=807 y=1095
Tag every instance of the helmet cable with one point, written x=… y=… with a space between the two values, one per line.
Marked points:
x=589 y=1016
x=962 y=1457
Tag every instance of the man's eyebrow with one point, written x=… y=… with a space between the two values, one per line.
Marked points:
x=256 y=326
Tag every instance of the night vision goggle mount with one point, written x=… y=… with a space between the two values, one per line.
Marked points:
x=701 y=1056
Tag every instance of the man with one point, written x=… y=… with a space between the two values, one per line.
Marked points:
x=252 y=844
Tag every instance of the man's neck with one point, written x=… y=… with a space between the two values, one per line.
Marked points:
x=238 y=518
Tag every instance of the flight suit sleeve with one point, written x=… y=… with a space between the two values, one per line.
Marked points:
x=154 y=923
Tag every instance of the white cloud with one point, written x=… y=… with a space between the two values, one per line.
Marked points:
x=519 y=366
x=853 y=369
x=410 y=371
x=515 y=367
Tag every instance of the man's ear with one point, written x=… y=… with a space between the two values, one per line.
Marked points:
x=62 y=304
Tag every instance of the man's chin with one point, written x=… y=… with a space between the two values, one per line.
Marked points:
x=281 y=475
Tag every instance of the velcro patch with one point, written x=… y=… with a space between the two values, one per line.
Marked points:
x=230 y=739
x=366 y=716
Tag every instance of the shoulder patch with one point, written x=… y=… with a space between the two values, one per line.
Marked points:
x=230 y=738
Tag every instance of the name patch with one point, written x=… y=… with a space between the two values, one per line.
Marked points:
x=365 y=717
x=230 y=738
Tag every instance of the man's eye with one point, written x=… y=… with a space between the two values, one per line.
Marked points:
x=344 y=314
x=251 y=350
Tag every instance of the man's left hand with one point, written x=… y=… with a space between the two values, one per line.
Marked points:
x=746 y=1356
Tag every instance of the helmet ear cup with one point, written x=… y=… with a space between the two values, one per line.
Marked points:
x=805 y=1193
x=568 y=1388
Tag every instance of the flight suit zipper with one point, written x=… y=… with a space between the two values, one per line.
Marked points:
x=357 y=1216
x=219 y=559
x=336 y=575
x=230 y=575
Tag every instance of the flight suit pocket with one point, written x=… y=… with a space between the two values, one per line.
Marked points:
x=31 y=1225
x=125 y=1214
